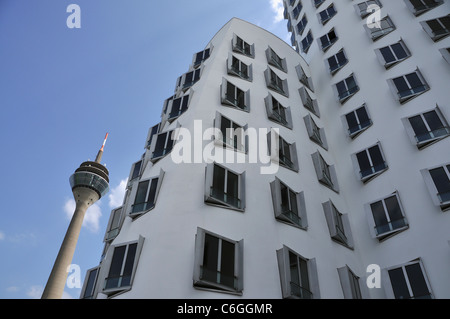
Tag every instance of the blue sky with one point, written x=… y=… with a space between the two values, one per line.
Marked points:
x=62 y=89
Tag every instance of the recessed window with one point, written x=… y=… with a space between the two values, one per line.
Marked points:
x=379 y=28
x=316 y=134
x=346 y=88
x=122 y=267
x=218 y=263
x=303 y=78
x=351 y=284
x=328 y=40
x=326 y=173
x=337 y=62
x=242 y=47
x=408 y=86
x=301 y=25
x=309 y=103
x=426 y=128
x=386 y=217
x=419 y=7
x=232 y=134
x=338 y=225
x=358 y=121
x=274 y=82
x=275 y=60
x=200 y=57
x=238 y=68
x=146 y=195
x=307 y=41
x=234 y=96
x=327 y=14
x=282 y=152
x=366 y=8
x=393 y=54
x=371 y=162
x=438 y=28
x=409 y=281
x=288 y=205
x=438 y=183
x=298 y=275
x=224 y=187
x=277 y=112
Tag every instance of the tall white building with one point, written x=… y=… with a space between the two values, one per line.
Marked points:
x=340 y=169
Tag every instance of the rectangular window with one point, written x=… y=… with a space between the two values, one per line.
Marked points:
x=346 y=88
x=408 y=86
x=387 y=217
x=136 y=170
x=393 y=54
x=200 y=57
x=234 y=96
x=437 y=181
x=371 y=162
x=419 y=7
x=358 y=121
x=90 y=283
x=242 y=47
x=178 y=106
x=146 y=194
x=327 y=14
x=188 y=79
x=298 y=8
x=282 y=152
x=350 y=283
x=224 y=187
x=114 y=224
x=310 y=104
x=218 y=263
x=238 y=68
x=337 y=61
x=152 y=132
x=232 y=134
x=317 y=3
x=274 y=82
x=163 y=145
x=409 y=281
x=326 y=173
x=338 y=225
x=316 y=134
x=307 y=41
x=274 y=60
x=379 y=28
x=438 y=28
x=304 y=78
x=366 y=8
x=277 y=112
x=301 y=25
x=328 y=40
x=298 y=275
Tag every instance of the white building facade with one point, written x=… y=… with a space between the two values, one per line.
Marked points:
x=324 y=174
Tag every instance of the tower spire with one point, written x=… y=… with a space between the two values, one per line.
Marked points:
x=100 y=152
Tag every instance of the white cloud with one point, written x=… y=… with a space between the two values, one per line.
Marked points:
x=278 y=8
x=117 y=194
x=2 y=235
x=35 y=292
x=91 y=219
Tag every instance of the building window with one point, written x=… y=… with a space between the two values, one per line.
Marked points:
x=386 y=217
x=162 y=145
x=437 y=181
x=366 y=8
x=445 y=54
x=409 y=86
x=346 y=88
x=328 y=40
x=301 y=25
x=152 y=132
x=316 y=134
x=187 y=80
x=327 y=14
x=234 y=96
x=218 y=263
x=146 y=195
x=277 y=112
x=177 y=106
x=419 y=7
x=317 y=3
x=122 y=267
x=224 y=187
x=379 y=28
x=238 y=68
x=274 y=60
x=393 y=54
x=409 y=281
x=200 y=57
x=307 y=41
x=242 y=47
x=358 y=121
x=337 y=62
x=114 y=224
x=274 y=82
x=298 y=275
x=136 y=170
x=232 y=134
x=438 y=28
x=298 y=8
x=350 y=283
x=303 y=78
x=88 y=290
x=426 y=128
x=310 y=104
x=371 y=163
x=338 y=225
x=289 y=206
x=326 y=173
x=282 y=152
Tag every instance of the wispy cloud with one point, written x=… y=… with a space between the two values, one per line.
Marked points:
x=2 y=235
x=278 y=8
x=35 y=292
x=91 y=219
x=117 y=194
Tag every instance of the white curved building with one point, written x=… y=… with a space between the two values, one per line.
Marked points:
x=215 y=216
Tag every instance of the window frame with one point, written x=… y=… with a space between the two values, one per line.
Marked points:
x=325 y=42
x=407 y=98
x=326 y=173
x=347 y=278
x=339 y=65
x=326 y=11
x=301 y=25
x=293 y=157
x=303 y=78
x=436 y=37
x=239 y=132
x=365 y=178
x=231 y=70
x=202 y=284
x=380 y=32
x=349 y=92
x=305 y=45
x=364 y=13
x=338 y=225
x=224 y=99
x=242 y=50
x=360 y=126
x=111 y=232
x=182 y=85
x=86 y=283
x=432 y=188
x=277 y=85
x=382 y=58
x=425 y=7
x=276 y=116
x=274 y=60
x=315 y=133
x=308 y=102
x=170 y=135
x=132 y=213
x=206 y=54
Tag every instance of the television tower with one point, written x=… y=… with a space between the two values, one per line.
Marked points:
x=89 y=183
